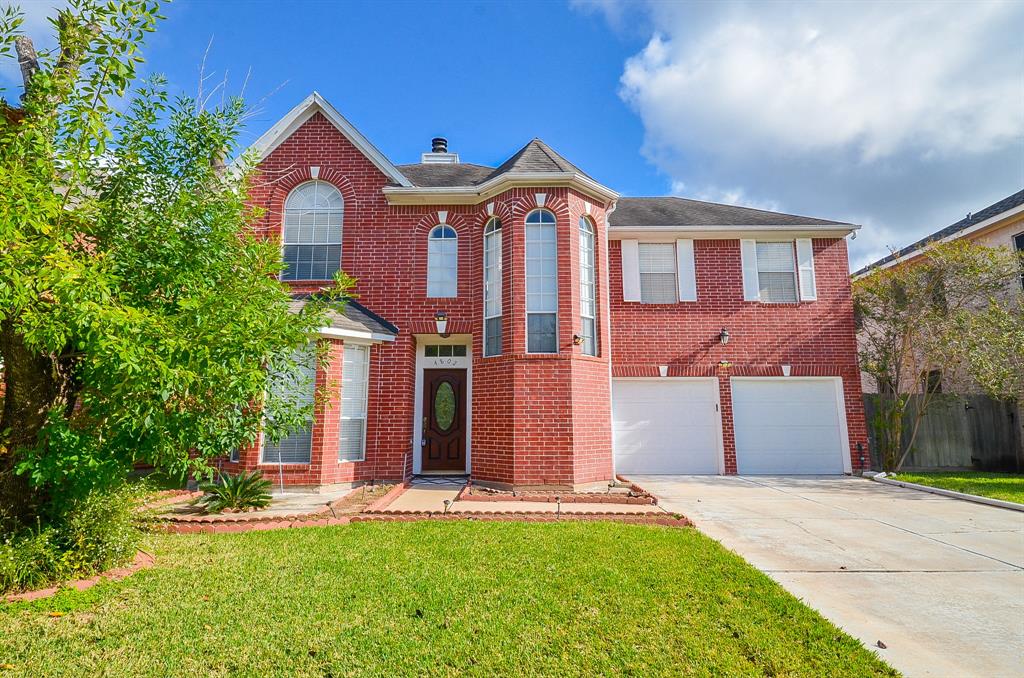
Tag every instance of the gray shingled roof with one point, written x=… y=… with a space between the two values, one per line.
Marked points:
x=355 y=317
x=535 y=156
x=434 y=174
x=1004 y=205
x=672 y=211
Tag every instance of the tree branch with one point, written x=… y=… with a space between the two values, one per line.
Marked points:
x=27 y=59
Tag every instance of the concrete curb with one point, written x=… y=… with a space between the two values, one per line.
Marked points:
x=988 y=501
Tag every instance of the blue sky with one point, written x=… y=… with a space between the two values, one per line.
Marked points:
x=898 y=116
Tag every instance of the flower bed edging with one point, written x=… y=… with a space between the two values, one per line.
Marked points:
x=142 y=560
x=390 y=497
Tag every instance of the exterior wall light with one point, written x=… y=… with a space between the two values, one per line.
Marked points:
x=577 y=340
x=723 y=336
x=441 y=320
x=786 y=369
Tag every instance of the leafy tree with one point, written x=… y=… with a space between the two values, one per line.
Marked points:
x=138 y=319
x=949 y=311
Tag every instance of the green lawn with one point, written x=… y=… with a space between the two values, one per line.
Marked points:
x=1005 y=486
x=432 y=598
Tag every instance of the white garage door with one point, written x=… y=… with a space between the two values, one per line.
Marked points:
x=788 y=426
x=665 y=426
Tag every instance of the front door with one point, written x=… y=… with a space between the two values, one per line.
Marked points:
x=444 y=420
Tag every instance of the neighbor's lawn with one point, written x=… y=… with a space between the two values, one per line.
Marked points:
x=419 y=599
x=1005 y=486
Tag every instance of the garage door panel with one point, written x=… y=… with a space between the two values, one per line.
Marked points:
x=787 y=426
x=665 y=426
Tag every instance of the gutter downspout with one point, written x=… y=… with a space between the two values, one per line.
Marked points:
x=607 y=302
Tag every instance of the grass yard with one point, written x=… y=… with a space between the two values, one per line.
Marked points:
x=1005 y=486
x=432 y=598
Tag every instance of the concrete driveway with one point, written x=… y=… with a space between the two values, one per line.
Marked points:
x=940 y=581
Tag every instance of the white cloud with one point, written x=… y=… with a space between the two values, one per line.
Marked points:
x=904 y=115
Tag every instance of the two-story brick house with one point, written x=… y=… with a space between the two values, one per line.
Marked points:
x=525 y=325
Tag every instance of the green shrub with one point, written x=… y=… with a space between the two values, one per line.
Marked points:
x=101 y=531
x=95 y=533
x=246 y=490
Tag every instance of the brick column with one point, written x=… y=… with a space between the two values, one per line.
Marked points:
x=728 y=431
x=327 y=413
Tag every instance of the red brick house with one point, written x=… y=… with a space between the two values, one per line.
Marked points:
x=525 y=325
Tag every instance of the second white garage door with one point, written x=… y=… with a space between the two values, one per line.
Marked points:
x=666 y=426
x=788 y=426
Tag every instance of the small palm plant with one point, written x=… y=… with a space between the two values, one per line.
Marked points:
x=236 y=493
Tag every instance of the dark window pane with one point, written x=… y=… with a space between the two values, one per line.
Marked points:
x=311 y=262
x=430 y=351
x=541 y=333
x=459 y=351
x=589 y=337
x=493 y=333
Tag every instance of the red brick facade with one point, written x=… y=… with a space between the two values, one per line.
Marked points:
x=536 y=420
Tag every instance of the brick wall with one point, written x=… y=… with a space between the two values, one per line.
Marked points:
x=817 y=338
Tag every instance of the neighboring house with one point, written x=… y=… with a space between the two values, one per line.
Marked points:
x=1001 y=224
x=527 y=326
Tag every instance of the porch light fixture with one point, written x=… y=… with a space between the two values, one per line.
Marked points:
x=723 y=336
x=663 y=370
x=441 y=320
x=786 y=369
x=577 y=340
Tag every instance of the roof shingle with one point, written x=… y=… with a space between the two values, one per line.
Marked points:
x=672 y=211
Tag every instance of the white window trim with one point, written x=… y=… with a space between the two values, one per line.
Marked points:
x=312 y=425
x=675 y=272
x=592 y=231
x=341 y=228
x=757 y=270
x=527 y=314
x=499 y=231
x=366 y=403
x=431 y=238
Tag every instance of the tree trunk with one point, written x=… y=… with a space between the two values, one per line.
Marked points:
x=33 y=383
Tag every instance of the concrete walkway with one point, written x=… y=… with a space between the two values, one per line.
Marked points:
x=940 y=581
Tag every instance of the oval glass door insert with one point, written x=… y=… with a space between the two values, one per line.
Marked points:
x=444 y=406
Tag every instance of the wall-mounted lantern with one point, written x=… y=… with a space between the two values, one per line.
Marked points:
x=577 y=340
x=723 y=336
x=441 y=320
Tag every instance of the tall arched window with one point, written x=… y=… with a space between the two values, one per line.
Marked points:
x=442 y=262
x=313 y=214
x=492 y=287
x=588 y=288
x=541 y=283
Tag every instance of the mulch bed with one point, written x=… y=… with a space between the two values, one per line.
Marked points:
x=636 y=496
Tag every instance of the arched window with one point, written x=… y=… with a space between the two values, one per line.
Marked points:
x=492 y=287
x=541 y=283
x=588 y=288
x=313 y=214
x=442 y=262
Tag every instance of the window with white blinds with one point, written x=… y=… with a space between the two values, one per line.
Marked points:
x=492 y=287
x=355 y=386
x=776 y=272
x=442 y=262
x=313 y=214
x=588 y=288
x=541 y=283
x=297 y=388
x=657 y=263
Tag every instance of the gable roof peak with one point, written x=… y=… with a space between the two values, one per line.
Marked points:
x=316 y=103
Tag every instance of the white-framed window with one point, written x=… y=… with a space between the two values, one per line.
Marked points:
x=442 y=262
x=492 y=287
x=588 y=288
x=657 y=263
x=234 y=456
x=298 y=387
x=541 y=283
x=1018 y=246
x=313 y=215
x=776 y=272
x=355 y=387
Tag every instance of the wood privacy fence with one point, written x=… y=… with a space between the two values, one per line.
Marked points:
x=958 y=431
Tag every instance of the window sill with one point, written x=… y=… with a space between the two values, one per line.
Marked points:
x=352 y=461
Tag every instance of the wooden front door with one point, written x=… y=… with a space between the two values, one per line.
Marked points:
x=444 y=420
